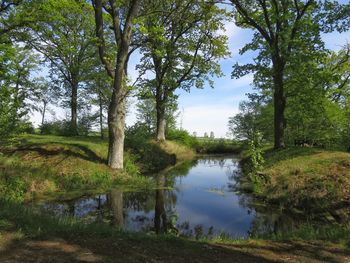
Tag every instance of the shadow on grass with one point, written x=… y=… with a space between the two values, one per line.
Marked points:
x=57 y=149
x=273 y=155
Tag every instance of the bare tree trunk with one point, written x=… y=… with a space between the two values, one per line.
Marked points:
x=101 y=114
x=161 y=124
x=279 y=108
x=43 y=114
x=117 y=207
x=161 y=121
x=74 y=107
x=116 y=119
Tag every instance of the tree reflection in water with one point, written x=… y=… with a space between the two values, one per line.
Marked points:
x=116 y=200
x=160 y=217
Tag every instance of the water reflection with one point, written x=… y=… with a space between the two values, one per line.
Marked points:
x=204 y=201
x=116 y=205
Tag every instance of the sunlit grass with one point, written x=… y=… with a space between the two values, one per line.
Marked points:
x=305 y=178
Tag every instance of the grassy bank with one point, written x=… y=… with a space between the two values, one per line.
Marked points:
x=35 y=164
x=309 y=180
x=28 y=236
x=217 y=146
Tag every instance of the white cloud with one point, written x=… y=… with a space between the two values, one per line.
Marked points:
x=233 y=84
x=208 y=118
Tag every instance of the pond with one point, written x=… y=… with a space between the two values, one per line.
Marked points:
x=197 y=199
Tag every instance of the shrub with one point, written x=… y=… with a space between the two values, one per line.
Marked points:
x=51 y=128
x=137 y=136
x=257 y=161
x=26 y=127
x=63 y=128
x=183 y=137
x=129 y=164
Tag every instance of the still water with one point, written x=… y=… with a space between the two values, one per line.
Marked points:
x=195 y=199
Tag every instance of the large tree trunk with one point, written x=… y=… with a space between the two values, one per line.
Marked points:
x=161 y=124
x=74 y=108
x=279 y=107
x=161 y=120
x=116 y=111
x=116 y=118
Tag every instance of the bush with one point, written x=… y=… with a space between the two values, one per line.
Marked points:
x=63 y=128
x=218 y=146
x=26 y=127
x=183 y=137
x=137 y=136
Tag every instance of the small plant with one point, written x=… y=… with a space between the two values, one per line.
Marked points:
x=257 y=162
x=256 y=153
x=13 y=189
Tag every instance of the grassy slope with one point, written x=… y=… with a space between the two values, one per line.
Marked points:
x=307 y=177
x=37 y=164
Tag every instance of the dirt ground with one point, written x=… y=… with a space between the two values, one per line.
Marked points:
x=124 y=250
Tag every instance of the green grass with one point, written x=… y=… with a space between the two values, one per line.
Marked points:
x=305 y=178
x=217 y=146
x=40 y=164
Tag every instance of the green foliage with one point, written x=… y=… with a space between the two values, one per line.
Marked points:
x=255 y=152
x=12 y=188
x=137 y=135
x=318 y=105
x=183 y=137
x=255 y=115
x=16 y=66
x=147 y=114
x=52 y=128
x=64 y=128
x=130 y=164
x=182 y=47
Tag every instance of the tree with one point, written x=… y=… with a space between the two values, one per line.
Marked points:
x=122 y=15
x=147 y=114
x=45 y=93
x=181 y=48
x=98 y=92
x=283 y=30
x=254 y=117
x=16 y=14
x=317 y=89
x=65 y=38
x=16 y=88
x=336 y=16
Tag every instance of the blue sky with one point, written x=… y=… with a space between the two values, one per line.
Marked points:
x=207 y=109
